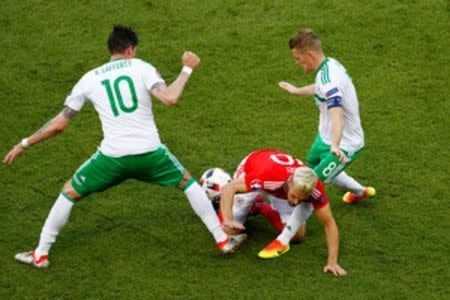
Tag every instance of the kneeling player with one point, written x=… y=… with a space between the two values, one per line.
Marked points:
x=284 y=177
x=277 y=211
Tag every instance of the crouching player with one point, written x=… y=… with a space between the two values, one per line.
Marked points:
x=276 y=211
x=284 y=177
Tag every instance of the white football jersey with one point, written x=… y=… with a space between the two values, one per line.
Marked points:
x=334 y=88
x=120 y=93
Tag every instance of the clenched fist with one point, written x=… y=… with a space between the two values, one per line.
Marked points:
x=190 y=59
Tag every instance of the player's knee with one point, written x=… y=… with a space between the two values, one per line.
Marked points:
x=300 y=235
x=184 y=180
x=70 y=191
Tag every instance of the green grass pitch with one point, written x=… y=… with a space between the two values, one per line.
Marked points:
x=138 y=241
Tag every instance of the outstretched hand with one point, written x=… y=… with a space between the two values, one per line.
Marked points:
x=13 y=154
x=290 y=88
x=335 y=269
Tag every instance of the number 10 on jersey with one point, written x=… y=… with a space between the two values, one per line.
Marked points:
x=116 y=98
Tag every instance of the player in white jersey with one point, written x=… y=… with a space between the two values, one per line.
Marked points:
x=131 y=148
x=340 y=138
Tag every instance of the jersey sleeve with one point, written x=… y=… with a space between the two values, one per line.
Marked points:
x=332 y=93
x=330 y=86
x=318 y=197
x=77 y=97
x=151 y=76
x=253 y=182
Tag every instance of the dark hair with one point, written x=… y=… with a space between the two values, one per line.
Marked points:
x=121 y=38
x=305 y=39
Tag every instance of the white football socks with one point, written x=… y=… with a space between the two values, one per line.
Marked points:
x=348 y=183
x=57 y=218
x=204 y=209
x=298 y=217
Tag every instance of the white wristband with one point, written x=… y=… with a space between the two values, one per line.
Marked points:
x=187 y=70
x=25 y=143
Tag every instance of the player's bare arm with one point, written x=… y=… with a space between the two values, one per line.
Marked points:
x=337 y=113
x=307 y=90
x=326 y=218
x=50 y=129
x=169 y=95
x=226 y=204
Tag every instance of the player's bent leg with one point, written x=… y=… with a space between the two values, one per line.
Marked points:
x=295 y=225
x=329 y=167
x=334 y=172
x=204 y=209
x=70 y=192
x=185 y=181
x=272 y=215
x=165 y=169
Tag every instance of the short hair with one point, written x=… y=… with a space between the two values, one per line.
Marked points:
x=304 y=179
x=121 y=38
x=305 y=39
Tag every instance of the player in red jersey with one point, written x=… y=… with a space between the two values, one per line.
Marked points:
x=245 y=205
x=284 y=177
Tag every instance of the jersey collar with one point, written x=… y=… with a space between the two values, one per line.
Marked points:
x=321 y=65
x=116 y=58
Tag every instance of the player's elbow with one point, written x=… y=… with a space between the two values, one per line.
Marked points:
x=169 y=98
x=58 y=130
x=59 y=127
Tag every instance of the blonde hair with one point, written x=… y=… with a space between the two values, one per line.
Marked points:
x=304 y=179
x=305 y=39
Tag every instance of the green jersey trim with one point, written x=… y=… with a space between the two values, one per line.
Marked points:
x=188 y=184
x=325 y=75
x=324 y=62
x=325 y=72
x=319 y=98
x=67 y=197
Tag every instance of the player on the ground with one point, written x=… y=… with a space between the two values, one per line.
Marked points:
x=284 y=177
x=340 y=138
x=131 y=148
x=244 y=204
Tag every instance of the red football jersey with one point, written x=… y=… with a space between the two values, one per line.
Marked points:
x=268 y=170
